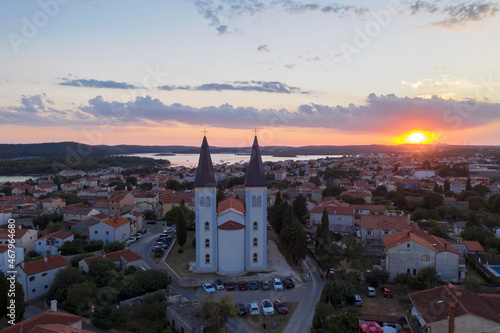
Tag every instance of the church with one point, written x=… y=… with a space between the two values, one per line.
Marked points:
x=231 y=237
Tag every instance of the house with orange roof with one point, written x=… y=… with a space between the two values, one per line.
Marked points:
x=25 y=238
x=146 y=200
x=115 y=229
x=37 y=276
x=122 y=259
x=49 y=321
x=340 y=218
x=50 y=244
x=374 y=228
x=117 y=202
x=52 y=205
x=448 y=308
x=466 y=247
x=411 y=251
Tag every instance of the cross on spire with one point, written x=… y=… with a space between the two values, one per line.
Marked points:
x=255 y=130
x=205 y=132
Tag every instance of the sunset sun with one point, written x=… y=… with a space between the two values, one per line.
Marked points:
x=415 y=137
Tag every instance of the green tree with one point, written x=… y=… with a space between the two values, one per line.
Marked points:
x=355 y=251
x=481 y=189
x=54 y=226
x=377 y=277
x=339 y=292
x=114 y=247
x=64 y=279
x=380 y=191
x=332 y=191
x=323 y=227
x=80 y=297
x=426 y=165
x=3 y=295
x=428 y=278
x=181 y=222
x=132 y=180
x=432 y=200
x=300 y=249
x=473 y=219
x=321 y=313
x=300 y=208
x=400 y=201
x=101 y=272
x=217 y=313
x=468 y=186
x=20 y=302
x=346 y=322
x=446 y=185
x=144 y=282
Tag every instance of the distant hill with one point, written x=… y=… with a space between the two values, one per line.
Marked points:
x=64 y=149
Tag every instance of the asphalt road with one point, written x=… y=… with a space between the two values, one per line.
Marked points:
x=307 y=293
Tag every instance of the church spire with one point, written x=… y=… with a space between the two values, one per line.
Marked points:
x=205 y=175
x=256 y=177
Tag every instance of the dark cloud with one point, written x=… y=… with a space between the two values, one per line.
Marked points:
x=263 y=48
x=379 y=114
x=97 y=84
x=456 y=14
x=383 y=114
x=261 y=86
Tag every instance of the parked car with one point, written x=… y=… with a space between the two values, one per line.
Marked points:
x=253 y=309
x=209 y=289
x=371 y=292
x=143 y=231
x=254 y=285
x=387 y=292
x=331 y=270
x=288 y=283
x=241 y=309
x=280 y=306
x=230 y=285
x=132 y=240
x=219 y=284
x=168 y=230
x=267 y=307
x=265 y=285
x=151 y=222
x=278 y=285
x=156 y=246
x=308 y=239
x=358 y=301
x=138 y=235
x=242 y=285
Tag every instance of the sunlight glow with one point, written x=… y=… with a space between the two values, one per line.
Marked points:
x=416 y=137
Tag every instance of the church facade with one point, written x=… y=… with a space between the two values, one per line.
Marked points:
x=231 y=237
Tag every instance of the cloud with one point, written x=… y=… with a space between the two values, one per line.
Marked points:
x=260 y=86
x=445 y=82
x=263 y=48
x=97 y=84
x=380 y=114
x=456 y=14
x=384 y=114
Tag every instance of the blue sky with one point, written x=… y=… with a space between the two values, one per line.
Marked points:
x=304 y=72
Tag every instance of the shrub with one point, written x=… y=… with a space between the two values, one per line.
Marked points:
x=180 y=250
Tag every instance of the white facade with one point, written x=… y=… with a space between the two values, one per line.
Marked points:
x=421 y=174
x=206 y=229
x=46 y=246
x=38 y=284
x=108 y=234
x=256 y=228
x=16 y=253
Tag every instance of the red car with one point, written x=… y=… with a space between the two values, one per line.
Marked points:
x=387 y=292
x=280 y=306
x=242 y=285
x=230 y=285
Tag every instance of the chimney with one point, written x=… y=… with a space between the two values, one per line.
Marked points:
x=53 y=305
x=408 y=233
x=22 y=264
x=445 y=246
x=451 y=318
x=408 y=219
x=19 y=226
x=45 y=258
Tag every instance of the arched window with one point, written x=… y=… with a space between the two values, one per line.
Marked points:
x=255 y=242
x=255 y=257
x=207 y=243
x=209 y=201
x=207 y=258
x=254 y=201
x=207 y=226
x=202 y=201
x=255 y=226
x=259 y=201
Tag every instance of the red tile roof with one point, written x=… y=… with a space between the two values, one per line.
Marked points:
x=4 y=233
x=58 y=328
x=3 y=248
x=474 y=246
x=116 y=221
x=101 y=216
x=230 y=203
x=436 y=244
x=231 y=225
x=41 y=265
x=58 y=234
x=387 y=222
x=44 y=318
x=433 y=304
x=127 y=254
x=334 y=210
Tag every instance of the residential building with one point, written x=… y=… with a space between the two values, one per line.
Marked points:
x=5 y=265
x=374 y=228
x=446 y=309
x=50 y=244
x=411 y=251
x=122 y=259
x=52 y=205
x=37 y=276
x=466 y=247
x=115 y=229
x=25 y=238
x=340 y=219
x=146 y=201
x=77 y=212
x=117 y=202
x=185 y=317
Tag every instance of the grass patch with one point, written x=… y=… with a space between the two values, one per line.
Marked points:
x=272 y=235
x=280 y=320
